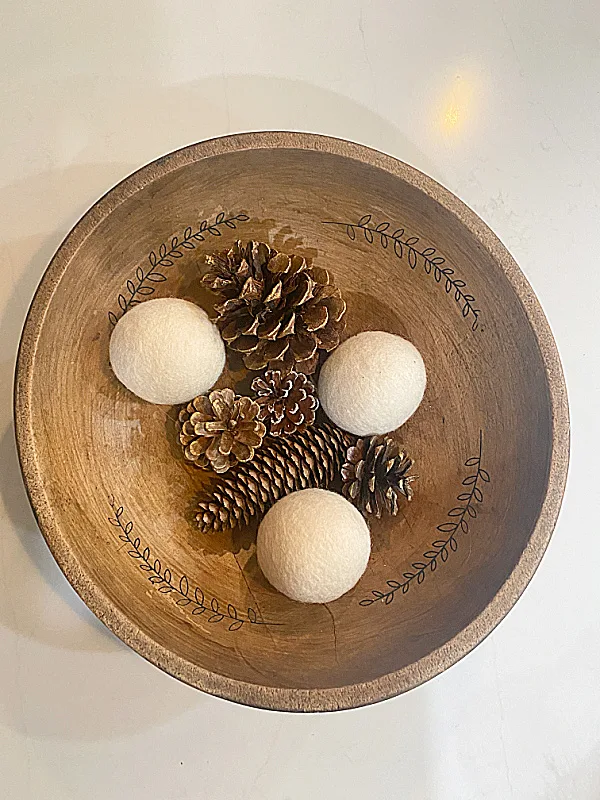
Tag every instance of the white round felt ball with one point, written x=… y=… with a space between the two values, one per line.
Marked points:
x=372 y=383
x=167 y=351
x=313 y=545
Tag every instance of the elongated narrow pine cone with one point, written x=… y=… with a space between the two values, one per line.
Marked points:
x=302 y=460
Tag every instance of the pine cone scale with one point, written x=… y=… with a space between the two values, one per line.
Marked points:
x=316 y=318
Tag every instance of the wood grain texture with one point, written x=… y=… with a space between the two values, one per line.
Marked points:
x=494 y=419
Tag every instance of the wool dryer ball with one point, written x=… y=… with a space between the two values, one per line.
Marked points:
x=313 y=545
x=372 y=383
x=167 y=351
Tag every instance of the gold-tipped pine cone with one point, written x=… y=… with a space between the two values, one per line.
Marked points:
x=220 y=430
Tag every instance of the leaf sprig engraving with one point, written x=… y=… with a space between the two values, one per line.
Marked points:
x=165 y=257
x=161 y=577
x=407 y=246
x=469 y=500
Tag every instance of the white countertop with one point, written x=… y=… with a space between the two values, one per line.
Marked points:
x=499 y=101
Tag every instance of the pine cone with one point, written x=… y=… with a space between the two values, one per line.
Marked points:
x=374 y=475
x=277 y=310
x=220 y=430
x=305 y=459
x=230 y=269
x=287 y=402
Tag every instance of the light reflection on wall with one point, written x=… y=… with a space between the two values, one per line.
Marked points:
x=458 y=105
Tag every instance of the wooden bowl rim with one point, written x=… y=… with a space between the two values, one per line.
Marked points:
x=330 y=699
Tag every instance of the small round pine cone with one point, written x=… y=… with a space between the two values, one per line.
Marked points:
x=220 y=430
x=287 y=401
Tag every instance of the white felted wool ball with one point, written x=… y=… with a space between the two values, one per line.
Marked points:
x=372 y=383
x=313 y=545
x=167 y=351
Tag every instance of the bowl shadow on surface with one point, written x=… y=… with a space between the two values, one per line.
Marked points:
x=35 y=610
x=23 y=536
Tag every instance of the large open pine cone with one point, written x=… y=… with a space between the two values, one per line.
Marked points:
x=287 y=401
x=277 y=310
x=375 y=475
x=220 y=430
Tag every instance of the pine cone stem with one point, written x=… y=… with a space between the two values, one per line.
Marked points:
x=302 y=460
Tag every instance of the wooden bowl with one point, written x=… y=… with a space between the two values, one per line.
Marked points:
x=114 y=499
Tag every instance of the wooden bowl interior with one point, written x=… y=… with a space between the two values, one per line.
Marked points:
x=92 y=440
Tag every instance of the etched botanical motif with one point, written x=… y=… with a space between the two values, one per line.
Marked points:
x=469 y=500
x=165 y=257
x=181 y=590
x=408 y=247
